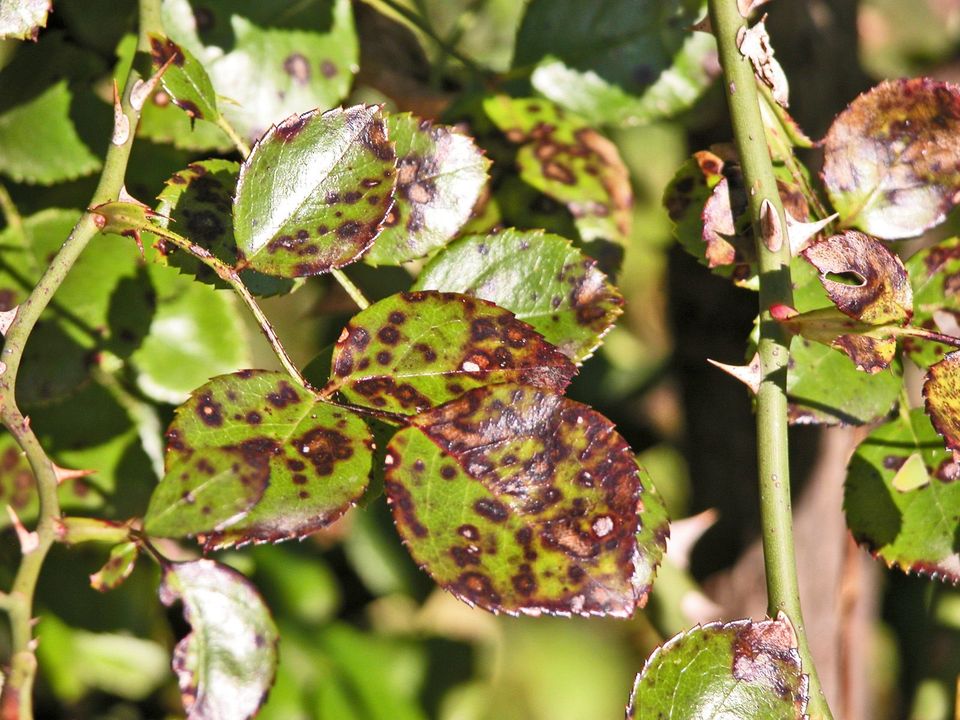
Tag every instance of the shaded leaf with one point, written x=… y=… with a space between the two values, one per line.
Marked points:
x=863 y=278
x=39 y=143
x=199 y=201
x=415 y=350
x=539 y=277
x=935 y=277
x=891 y=158
x=260 y=56
x=941 y=393
x=185 y=80
x=440 y=174
x=22 y=19
x=226 y=665
x=783 y=132
x=744 y=669
x=196 y=333
x=564 y=158
x=326 y=208
x=618 y=63
x=909 y=525
x=250 y=458
x=548 y=495
x=651 y=537
x=122 y=560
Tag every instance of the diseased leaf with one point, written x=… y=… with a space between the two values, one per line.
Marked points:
x=415 y=350
x=935 y=277
x=564 y=158
x=252 y=458
x=908 y=524
x=863 y=278
x=539 y=277
x=891 y=158
x=185 y=79
x=745 y=669
x=754 y=44
x=871 y=347
x=546 y=494
x=651 y=537
x=617 y=63
x=326 y=208
x=199 y=202
x=22 y=19
x=941 y=392
x=440 y=174
x=226 y=665
x=260 y=56
x=39 y=143
x=122 y=560
x=196 y=333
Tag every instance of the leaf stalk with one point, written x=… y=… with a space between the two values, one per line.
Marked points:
x=767 y=216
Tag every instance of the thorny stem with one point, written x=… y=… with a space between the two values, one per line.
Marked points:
x=16 y=700
x=783 y=592
x=352 y=290
x=229 y=275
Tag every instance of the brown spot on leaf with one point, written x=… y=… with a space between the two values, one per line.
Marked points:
x=297 y=67
x=209 y=411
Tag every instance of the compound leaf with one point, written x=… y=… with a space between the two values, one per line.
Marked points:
x=564 y=158
x=902 y=500
x=617 y=63
x=22 y=19
x=414 y=350
x=892 y=159
x=227 y=662
x=39 y=143
x=250 y=458
x=314 y=191
x=519 y=500
x=745 y=669
x=539 y=277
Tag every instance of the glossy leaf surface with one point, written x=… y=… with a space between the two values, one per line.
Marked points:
x=891 y=158
x=518 y=500
x=199 y=202
x=745 y=669
x=122 y=560
x=415 y=350
x=440 y=174
x=266 y=62
x=902 y=500
x=617 y=63
x=935 y=277
x=564 y=158
x=226 y=664
x=185 y=80
x=252 y=458
x=325 y=209
x=22 y=19
x=873 y=285
x=537 y=276
x=39 y=143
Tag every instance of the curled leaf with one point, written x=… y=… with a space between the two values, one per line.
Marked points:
x=250 y=458
x=539 y=277
x=743 y=669
x=440 y=174
x=546 y=496
x=872 y=348
x=754 y=44
x=122 y=560
x=892 y=158
x=415 y=350
x=863 y=278
x=325 y=208
x=941 y=392
x=226 y=664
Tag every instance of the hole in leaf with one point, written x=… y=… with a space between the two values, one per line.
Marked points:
x=850 y=277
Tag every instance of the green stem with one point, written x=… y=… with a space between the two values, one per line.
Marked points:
x=18 y=689
x=931 y=335
x=766 y=211
x=422 y=24
x=234 y=136
x=229 y=275
x=352 y=290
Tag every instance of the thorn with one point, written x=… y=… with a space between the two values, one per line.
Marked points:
x=29 y=541
x=801 y=233
x=121 y=123
x=125 y=196
x=704 y=26
x=64 y=474
x=6 y=319
x=685 y=533
x=748 y=6
x=770 y=228
x=143 y=89
x=748 y=374
x=34 y=643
